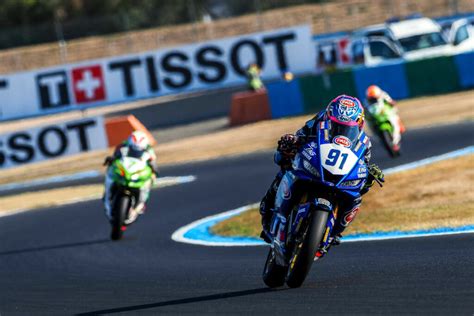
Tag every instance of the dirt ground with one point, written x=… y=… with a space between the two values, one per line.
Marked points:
x=438 y=195
x=416 y=113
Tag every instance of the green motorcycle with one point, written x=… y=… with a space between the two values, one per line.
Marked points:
x=124 y=180
x=383 y=119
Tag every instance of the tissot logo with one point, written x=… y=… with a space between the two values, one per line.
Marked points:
x=88 y=84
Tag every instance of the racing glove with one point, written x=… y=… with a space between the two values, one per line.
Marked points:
x=108 y=160
x=375 y=174
x=288 y=145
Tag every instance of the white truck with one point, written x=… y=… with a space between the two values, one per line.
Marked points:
x=461 y=35
x=409 y=39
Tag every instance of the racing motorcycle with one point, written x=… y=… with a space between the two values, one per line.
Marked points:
x=325 y=168
x=127 y=176
x=383 y=119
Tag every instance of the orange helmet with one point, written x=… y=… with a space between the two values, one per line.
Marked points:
x=373 y=92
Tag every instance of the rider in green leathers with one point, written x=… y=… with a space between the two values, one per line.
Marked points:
x=137 y=146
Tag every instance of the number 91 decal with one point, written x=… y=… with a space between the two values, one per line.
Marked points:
x=337 y=159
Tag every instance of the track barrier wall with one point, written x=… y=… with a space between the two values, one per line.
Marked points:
x=465 y=67
x=400 y=79
x=389 y=77
x=285 y=98
x=432 y=76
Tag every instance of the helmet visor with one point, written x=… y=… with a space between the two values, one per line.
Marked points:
x=349 y=131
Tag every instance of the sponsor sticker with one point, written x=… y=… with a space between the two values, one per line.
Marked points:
x=350 y=216
x=347 y=102
x=324 y=202
x=285 y=189
x=362 y=172
x=307 y=154
x=343 y=141
x=347 y=108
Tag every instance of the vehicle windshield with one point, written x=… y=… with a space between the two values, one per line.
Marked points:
x=135 y=153
x=422 y=41
x=351 y=132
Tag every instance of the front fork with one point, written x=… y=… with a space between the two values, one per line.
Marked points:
x=282 y=228
x=325 y=243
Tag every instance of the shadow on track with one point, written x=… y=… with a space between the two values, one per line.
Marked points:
x=61 y=246
x=182 y=301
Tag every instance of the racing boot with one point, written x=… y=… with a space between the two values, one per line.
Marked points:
x=266 y=206
x=132 y=216
x=143 y=198
x=266 y=221
x=333 y=241
x=402 y=126
x=336 y=240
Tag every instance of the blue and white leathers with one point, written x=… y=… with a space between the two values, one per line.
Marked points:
x=328 y=173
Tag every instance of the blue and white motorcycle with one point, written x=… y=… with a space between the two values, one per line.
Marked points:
x=324 y=169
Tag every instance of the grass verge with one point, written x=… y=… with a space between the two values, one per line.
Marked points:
x=438 y=195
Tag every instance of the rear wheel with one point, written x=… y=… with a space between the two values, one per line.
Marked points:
x=273 y=274
x=303 y=255
x=119 y=214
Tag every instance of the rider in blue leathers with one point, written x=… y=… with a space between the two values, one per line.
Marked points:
x=346 y=115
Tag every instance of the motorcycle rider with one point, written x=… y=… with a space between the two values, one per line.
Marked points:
x=137 y=146
x=376 y=97
x=340 y=118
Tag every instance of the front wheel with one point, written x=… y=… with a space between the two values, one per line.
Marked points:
x=119 y=215
x=303 y=255
x=273 y=274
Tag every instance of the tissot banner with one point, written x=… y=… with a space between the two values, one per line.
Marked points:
x=52 y=141
x=206 y=65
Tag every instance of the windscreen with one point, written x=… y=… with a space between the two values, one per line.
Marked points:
x=422 y=41
x=351 y=132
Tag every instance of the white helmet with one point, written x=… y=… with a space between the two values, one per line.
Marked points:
x=138 y=141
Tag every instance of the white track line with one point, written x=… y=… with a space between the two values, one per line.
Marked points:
x=160 y=183
x=50 y=180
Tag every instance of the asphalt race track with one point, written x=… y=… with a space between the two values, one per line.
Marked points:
x=60 y=261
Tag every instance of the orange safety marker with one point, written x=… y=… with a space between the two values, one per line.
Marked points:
x=119 y=128
x=249 y=107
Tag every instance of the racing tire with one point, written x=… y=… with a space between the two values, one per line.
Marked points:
x=303 y=256
x=120 y=212
x=273 y=274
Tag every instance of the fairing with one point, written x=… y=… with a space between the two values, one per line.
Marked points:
x=334 y=165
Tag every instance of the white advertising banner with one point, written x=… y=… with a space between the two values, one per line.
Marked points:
x=199 y=66
x=52 y=141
